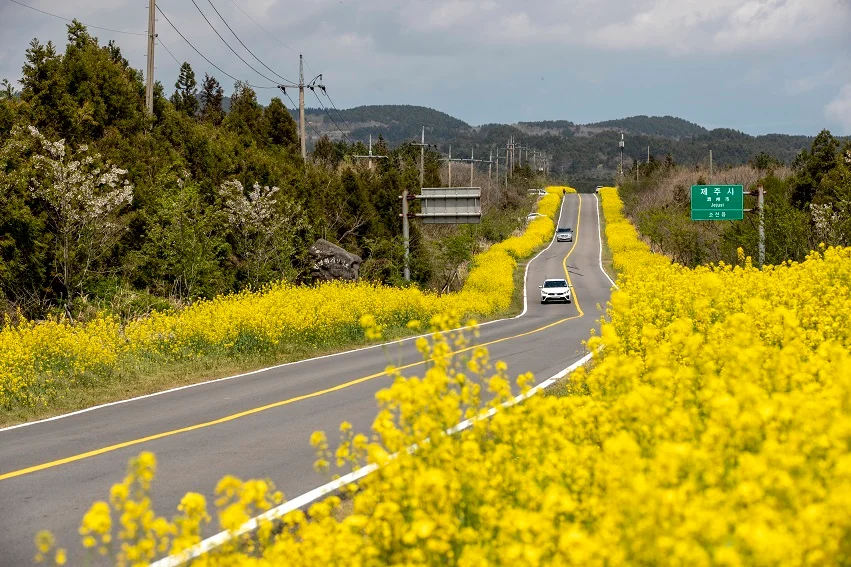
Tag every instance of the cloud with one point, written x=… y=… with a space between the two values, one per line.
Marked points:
x=839 y=109
x=726 y=26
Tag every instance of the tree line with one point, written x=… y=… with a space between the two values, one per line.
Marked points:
x=807 y=204
x=102 y=204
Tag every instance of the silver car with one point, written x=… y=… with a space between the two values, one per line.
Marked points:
x=555 y=290
x=564 y=234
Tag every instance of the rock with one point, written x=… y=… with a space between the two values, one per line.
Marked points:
x=330 y=262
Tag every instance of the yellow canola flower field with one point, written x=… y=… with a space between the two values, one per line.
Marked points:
x=714 y=428
x=37 y=360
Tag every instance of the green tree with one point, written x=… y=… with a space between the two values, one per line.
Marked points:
x=245 y=116
x=185 y=97
x=281 y=128
x=183 y=241
x=24 y=241
x=212 y=96
x=811 y=166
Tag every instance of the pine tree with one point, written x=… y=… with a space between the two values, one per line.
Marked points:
x=185 y=98
x=281 y=129
x=212 y=96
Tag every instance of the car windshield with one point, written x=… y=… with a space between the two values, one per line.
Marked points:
x=564 y=230
x=555 y=283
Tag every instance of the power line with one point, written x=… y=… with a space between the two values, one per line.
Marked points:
x=264 y=29
x=168 y=50
x=346 y=136
x=309 y=123
x=72 y=21
x=228 y=45
x=225 y=73
x=245 y=46
x=325 y=92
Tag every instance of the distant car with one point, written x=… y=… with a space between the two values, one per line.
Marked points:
x=533 y=216
x=564 y=234
x=538 y=192
x=598 y=188
x=555 y=290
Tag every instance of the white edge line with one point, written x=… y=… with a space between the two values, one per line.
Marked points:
x=298 y=502
x=600 y=230
x=277 y=366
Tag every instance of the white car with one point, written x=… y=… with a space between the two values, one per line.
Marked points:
x=538 y=192
x=555 y=290
x=564 y=234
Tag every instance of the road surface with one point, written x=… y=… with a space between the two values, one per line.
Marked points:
x=258 y=425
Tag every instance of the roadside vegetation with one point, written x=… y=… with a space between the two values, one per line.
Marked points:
x=712 y=429
x=806 y=204
x=42 y=363
x=139 y=246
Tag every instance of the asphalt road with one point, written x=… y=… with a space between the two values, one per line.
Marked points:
x=258 y=425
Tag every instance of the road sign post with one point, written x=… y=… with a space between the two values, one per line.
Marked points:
x=717 y=202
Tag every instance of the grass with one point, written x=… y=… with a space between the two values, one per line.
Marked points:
x=152 y=378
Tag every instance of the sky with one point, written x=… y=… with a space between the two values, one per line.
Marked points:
x=759 y=66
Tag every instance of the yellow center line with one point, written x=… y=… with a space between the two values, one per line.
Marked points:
x=572 y=248
x=253 y=411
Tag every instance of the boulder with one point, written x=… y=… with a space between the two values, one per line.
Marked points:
x=330 y=262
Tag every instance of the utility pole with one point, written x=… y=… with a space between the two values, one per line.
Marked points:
x=449 y=161
x=497 y=170
x=761 y=206
x=149 y=79
x=450 y=165
x=406 y=235
x=472 y=162
x=507 y=167
x=490 y=168
x=370 y=156
x=710 y=166
x=301 y=106
x=648 y=154
x=621 y=144
x=422 y=145
x=422 y=160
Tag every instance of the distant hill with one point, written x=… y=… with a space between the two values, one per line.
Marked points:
x=661 y=126
x=579 y=151
x=396 y=123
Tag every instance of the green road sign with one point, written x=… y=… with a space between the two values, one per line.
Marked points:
x=717 y=202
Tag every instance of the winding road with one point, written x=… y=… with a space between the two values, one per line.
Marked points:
x=257 y=425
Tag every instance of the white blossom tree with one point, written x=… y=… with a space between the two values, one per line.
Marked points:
x=83 y=200
x=263 y=226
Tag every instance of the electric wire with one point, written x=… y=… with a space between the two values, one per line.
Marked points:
x=209 y=23
x=264 y=29
x=72 y=21
x=246 y=47
x=225 y=73
x=315 y=131
x=325 y=92
x=168 y=50
x=346 y=136
x=270 y=34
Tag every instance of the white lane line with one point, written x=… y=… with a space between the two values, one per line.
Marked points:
x=303 y=500
x=298 y=502
x=526 y=271
x=277 y=366
x=600 y=231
